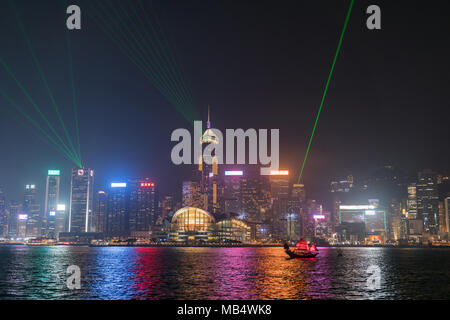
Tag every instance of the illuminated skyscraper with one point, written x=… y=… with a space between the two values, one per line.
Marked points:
x=427 y=201
x=100 y=212
x=209 y=170
x=281 y=217
x=411 y=202
x=3 y=215
x=32 y=209
x=192 y=195
x=143 y=205
x=15 y=208
x=341 y=190
x=447 y=215
x=117 y=210
x=51 y=201
x=167 y=206
x=81 y=195
x=61 y=220
x=232 y=191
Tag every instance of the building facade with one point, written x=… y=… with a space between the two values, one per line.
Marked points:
x=81 y=200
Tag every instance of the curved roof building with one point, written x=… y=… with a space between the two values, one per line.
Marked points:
x=233 y=230
x=192 y=224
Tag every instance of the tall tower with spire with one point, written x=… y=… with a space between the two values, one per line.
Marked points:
x=209 y=172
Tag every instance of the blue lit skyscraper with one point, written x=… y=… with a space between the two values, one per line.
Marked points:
x=32 y=209
x=51 y=201
x=81 y=195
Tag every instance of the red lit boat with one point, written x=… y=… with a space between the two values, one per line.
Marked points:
x=302 y=250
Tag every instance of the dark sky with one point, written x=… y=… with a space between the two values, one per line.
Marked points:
x=259 y=64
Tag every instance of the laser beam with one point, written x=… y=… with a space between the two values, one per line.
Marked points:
x=326 y=88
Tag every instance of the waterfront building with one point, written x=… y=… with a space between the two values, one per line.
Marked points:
x=411 y=202
x=22 y=225
x=117 y=223
x=191 y=224
x=369 y=221
x=443 y=218
x=447 y=216
x=251 y=195
x=232 y=230
x=81 y=200
x=232 y=198
x=209 y=171
x=15 y=208
x=143 y=204
x=311 y=212
x=415 y=230
x=100 y=212
x=61 y=219
x=427 y=201
x=3 y=215
x=279 y=190
x=341 y=190
x=32 y=209
x=51 y=202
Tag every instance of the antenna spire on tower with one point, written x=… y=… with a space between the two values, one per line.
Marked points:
x=208 y=123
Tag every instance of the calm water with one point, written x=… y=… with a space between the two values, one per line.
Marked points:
x=222 y=273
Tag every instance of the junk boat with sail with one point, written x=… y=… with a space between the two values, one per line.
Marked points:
x=301 y=250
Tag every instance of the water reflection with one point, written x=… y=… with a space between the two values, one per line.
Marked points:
x=222 y=273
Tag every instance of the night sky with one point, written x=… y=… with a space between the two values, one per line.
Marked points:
x=259 y=64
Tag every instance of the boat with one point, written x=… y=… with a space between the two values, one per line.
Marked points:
x=302 y=250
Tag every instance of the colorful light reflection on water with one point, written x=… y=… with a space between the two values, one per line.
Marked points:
x=221 y=273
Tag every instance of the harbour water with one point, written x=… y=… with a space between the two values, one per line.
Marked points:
x=222 y=273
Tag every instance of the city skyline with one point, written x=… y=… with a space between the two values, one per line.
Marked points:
x=231 y=154
x=280 y=89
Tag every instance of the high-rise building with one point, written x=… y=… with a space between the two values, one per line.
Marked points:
x=51 y=201
x=32 y=209
x=143 y=205
x=281 y=217
x=297 y=206
x=81 y=197
x=411 y=202
x=447 y=215
x=15 y=208
x=427 y=201
x=3 y=215
x=167 y=206
x=209 y=172
x=117 y=210
x=61 y=219
x=192 y=195
x=232 y=181
x=100 y=212
x=341 y=190
x=22 y=225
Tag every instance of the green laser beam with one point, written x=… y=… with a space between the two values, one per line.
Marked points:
x=36 y=107
x=159 y=83
x=139 y=60
x=139 y=57
x=39 y=128
x=160 y=67
x=42 y=74
x=162 y=62
x=74 y=97
x=326 y=87
x=172 y=56
x=132 y=56
x=165 y=52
